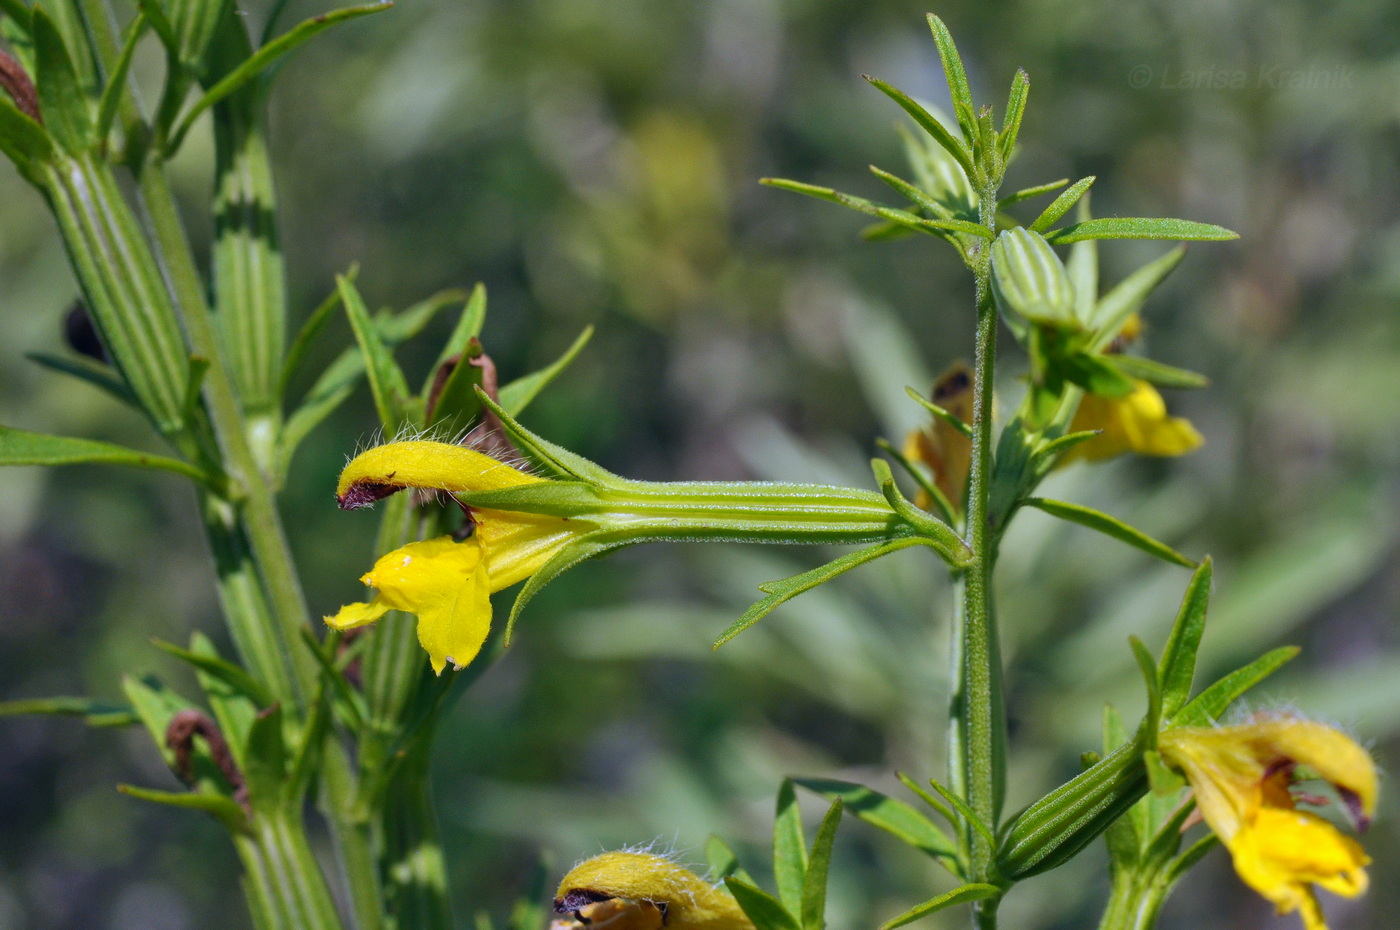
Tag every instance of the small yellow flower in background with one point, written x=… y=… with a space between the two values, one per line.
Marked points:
x=1241 y=776
x=1137 y=422
x=942 y=447
x=642 y=891
x=445 y=582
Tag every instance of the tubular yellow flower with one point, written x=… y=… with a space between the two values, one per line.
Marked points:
x=642 y=891
x=1241 y=777
x=445 y=582
x=1137 y=422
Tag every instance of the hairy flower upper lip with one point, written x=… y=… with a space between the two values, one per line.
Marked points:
x=1241 y=777
x=445 y=582
x=643 y=891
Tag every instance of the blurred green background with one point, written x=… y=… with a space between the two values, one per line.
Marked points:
x=595 y=161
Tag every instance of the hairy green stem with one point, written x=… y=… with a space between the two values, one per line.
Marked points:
x=284 y=885
x=978 y=737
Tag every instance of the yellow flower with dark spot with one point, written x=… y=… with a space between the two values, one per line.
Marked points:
x=1137 y=422
x=642 y=891
x=1241 y=777
x=445 y=582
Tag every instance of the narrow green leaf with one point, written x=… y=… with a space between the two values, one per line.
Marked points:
x=469 y=325
x=116 y=81
x=265 y=762
x=1193 y=854
x=386 y=379
x=967 y=814
x=935 y=493
x=1207 y=706
x=1097 y=374
x=1153 y=720
x=946 y=416
x=1124 y=836
x=887 y=231
x=23 y=140
x=818 y=867
x=1126 y=227
x=935 y=533
x=780 y=592
x=315 y=323
x=1015 y=109
x=927 y=797
x=98 y=374
x=1029 y=193
x=722 y=861
x=349 y=703
x=1062 y=204
x=935 y=227
x=223 y=809
x=234 y=710
x=789 y=849
x=939 y=175
x=1083 y=270
x=590 y=547
x=516 y=396
x=265 y=57
x=18 y=11
x=94 y=713
x=888 y=814
x=235 y=676
x=307 y=753
x=62 y=100
x=930 y=124
x=766 y=911
x=1153 y=372
x=976 y=891
x=454 y=400
x=1109 y=526
x=1178 y=665
x=953 y=70
x=1128 y=296
x=18 y=447
x=917 y=197
x=557 y=459
x=1046 y=457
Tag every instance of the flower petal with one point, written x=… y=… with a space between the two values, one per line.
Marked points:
x=380 y=471
x=1281 y=853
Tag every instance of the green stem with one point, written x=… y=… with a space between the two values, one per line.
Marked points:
x=1134 y=902
x=284 y=885
x=978 y=740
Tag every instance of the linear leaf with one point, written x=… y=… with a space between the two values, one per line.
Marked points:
x=22 y=139
x=225 y=810
x=976 y=891
x=956 y=75
x=315 y=323
x=1028 y=193
x=116 y=81
x=264 y=57
x=265 y=762
x=1178 y=666
x=780 y=592
x=234 y=676
x=818 y=867
x=1062 y=204
x=98 y=374
x=1015 y=109
x=722 y=861
x=94 y=713
x=516 y=396
x=888 y=814
x=1153 y=372
x=19 y=447
x=1132 y=227
x=1127 y=297
x=766 y=911
x=386 y=379
x=1207 y=706
x=62 y=100
x=1153 y=719
x=789 y=848
x=1109 y=526
x=468 y=327
x=929 y=123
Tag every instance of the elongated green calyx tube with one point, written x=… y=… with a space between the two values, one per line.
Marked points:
x=1052 y=830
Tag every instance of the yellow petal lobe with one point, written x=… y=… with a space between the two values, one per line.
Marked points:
x=1137 y=422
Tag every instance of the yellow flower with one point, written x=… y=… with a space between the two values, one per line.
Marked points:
x=642 y=891
x=1137 y=422
x=445 y=582
x=1241 y=777
x=946 y=450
